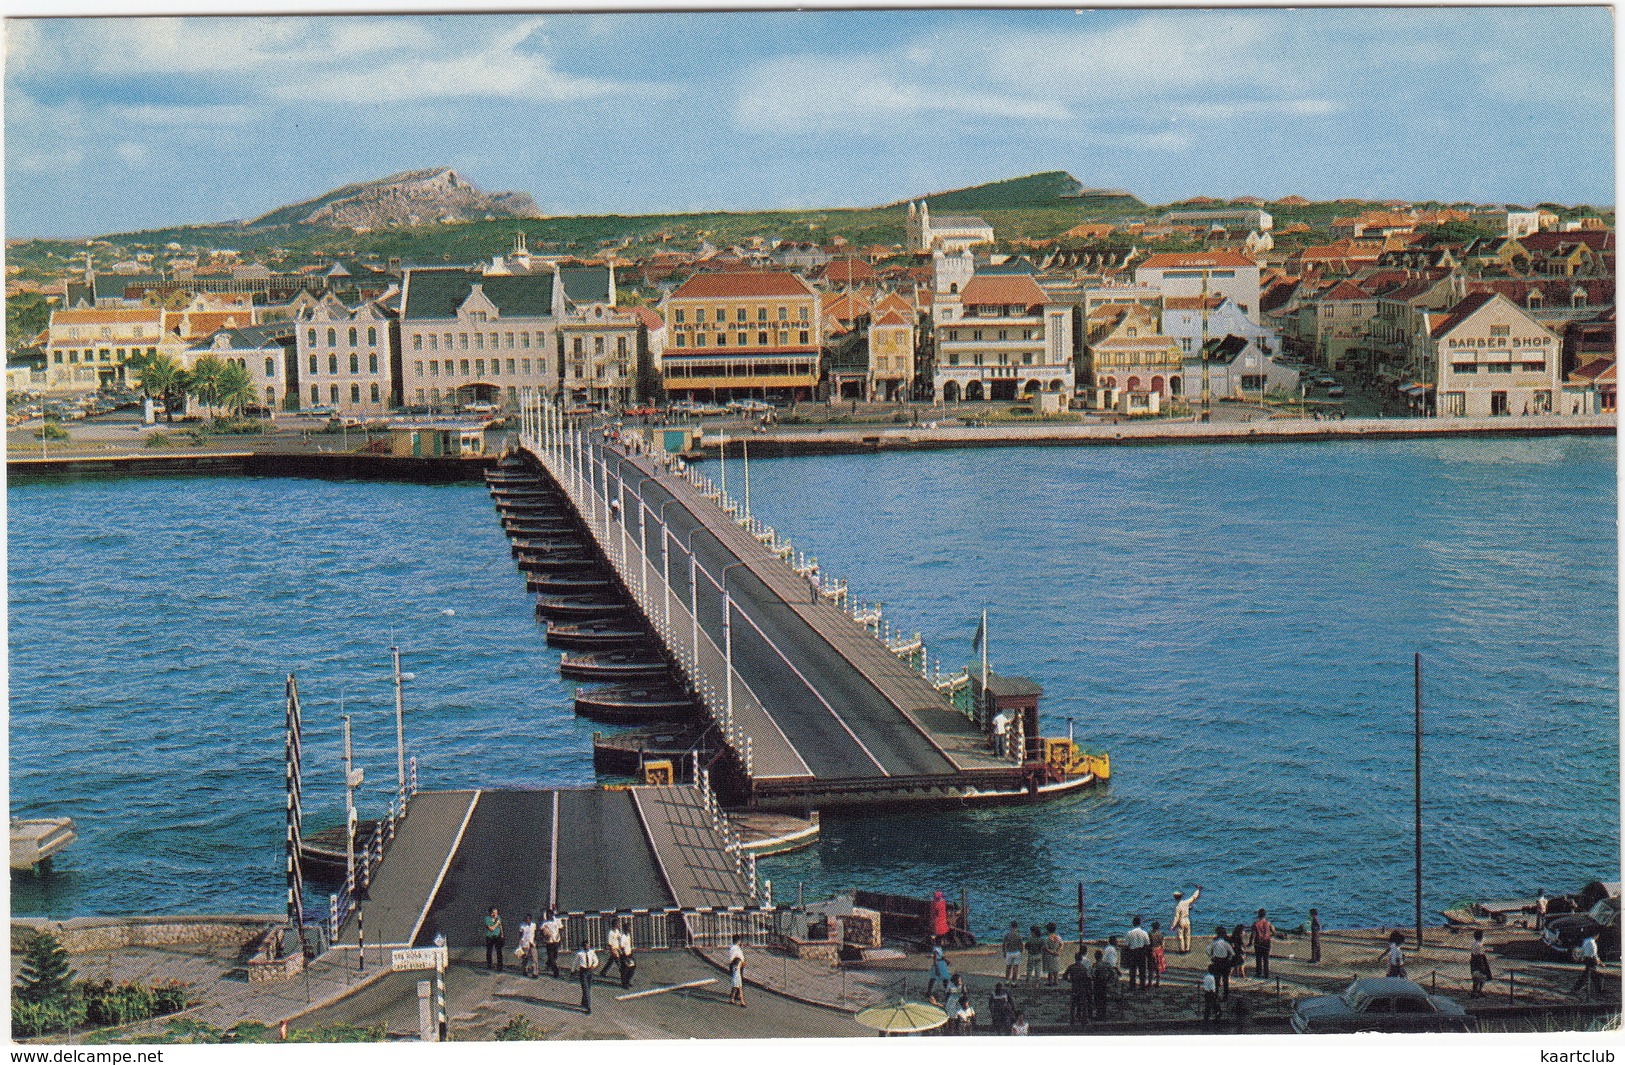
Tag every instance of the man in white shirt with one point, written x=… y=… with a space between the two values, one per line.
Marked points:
x=1137 y=944
x=1001 y=732
x=1542 y=903
x=586 y=964
x=736 y=972
x=527 y=948
x=1588 y=958
x=552 y=933
x=1220 y=957
x=619 y=942
x=1182 y=917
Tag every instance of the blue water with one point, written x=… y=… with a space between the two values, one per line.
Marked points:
x=1234 y=623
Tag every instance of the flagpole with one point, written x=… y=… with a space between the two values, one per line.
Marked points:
x=984 y=652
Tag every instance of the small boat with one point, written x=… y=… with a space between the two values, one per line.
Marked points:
x=535 y=523
x=543 y=544
x=35 y=841
x=538 y=508
x=634 y=702
x=568 y=584
x=613 y=665
x=558 y=562
x=624 y=752
x=580 y=608
x=587 y=636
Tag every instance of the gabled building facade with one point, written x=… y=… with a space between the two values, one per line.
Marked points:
x=999 y=337
x=471 y=338
x=739 y=335
x=1494 y=360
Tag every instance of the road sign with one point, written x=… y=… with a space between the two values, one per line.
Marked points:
x=417 y=958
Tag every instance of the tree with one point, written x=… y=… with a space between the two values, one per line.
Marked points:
x=204 y=381
x=45 y=975
x=160 y=375
x=235 y=388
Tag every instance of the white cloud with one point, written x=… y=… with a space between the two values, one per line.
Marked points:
x=182 y=115
x=132 y=154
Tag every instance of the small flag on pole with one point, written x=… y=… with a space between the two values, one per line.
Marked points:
x=981 y=635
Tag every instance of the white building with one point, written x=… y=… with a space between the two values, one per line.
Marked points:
x=1492 y=359
x=346 y=357
x=1194 y=273
x=999 y=337
x=1182 y=319
x=947 y=233
x=469 y=337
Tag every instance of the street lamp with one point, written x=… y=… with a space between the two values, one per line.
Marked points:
x=665 y=561
x=693 y=596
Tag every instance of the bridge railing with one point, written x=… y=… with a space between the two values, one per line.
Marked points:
x=675 y=928
x=369 y=855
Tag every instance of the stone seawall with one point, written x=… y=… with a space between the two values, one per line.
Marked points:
x=840 y=440
x=328 y=465
x=81 y=935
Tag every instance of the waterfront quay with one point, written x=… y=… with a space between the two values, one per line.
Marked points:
x=816 y=710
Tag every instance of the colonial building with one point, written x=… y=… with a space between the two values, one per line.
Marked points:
x=346 y=357
x=1001 y=336
x=736 y=335
x=1240 y=368
x=267 y=352
x=892 y=323
x=470 y=338
x=947 y=233
x=1184 y=320
x=86 y=348
x=1133 y=366
x=1220 y=273
x=1492 y=359
x=598 y=342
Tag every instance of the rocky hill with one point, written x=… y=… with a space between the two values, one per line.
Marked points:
x=411 y=198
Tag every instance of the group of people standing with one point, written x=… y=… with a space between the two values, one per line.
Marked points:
x=546 y=940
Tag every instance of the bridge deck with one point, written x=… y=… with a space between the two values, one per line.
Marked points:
x=581 y=850
x=819 y=696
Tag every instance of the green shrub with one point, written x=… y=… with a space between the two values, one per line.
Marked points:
x=519 y=1029
x=339 y=1033
x=238 y=426
x=45 y=975
x=52 y=430
x=40 y=1018
x=159 y=440
x=197 y=436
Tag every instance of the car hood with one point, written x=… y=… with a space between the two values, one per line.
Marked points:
x=1322 y=1007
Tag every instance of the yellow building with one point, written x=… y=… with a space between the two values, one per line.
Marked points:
x=87 y=348
x=741 y=335
x=891 y=348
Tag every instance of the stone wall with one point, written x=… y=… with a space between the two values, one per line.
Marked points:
x=80 y=935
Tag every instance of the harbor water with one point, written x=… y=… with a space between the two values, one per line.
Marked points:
x=1234 y=623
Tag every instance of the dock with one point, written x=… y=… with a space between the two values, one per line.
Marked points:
x=814 y=708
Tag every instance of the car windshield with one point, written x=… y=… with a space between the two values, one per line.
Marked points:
x=1354 y=998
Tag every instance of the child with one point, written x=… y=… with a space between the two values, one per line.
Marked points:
x=1210 y=997
x=1478 y=964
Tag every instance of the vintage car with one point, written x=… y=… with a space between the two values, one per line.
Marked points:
x=1380 y=1004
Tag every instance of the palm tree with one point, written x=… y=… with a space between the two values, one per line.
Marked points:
x=235 y=388
x=160 y=376
x=204 y=381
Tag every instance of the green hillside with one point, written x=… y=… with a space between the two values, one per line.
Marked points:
x=1053 y=189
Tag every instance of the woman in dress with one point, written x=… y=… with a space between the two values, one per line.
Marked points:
x=1159 y=958
x=1238 y=943
x=1394 y=955
x=1478 y=964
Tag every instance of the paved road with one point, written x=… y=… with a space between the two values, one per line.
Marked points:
x=846 y=728
x=506 y=860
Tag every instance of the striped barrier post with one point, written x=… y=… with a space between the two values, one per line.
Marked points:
x=333 y=915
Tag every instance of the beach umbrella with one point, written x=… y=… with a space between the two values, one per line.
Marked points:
x=901 y=1017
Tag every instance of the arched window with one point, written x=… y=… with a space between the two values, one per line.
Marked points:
x=1534 y=299
x=355 y=363
x=372 y=336
x=310 y=336
x=332 y=338
x=375 y=391
x=1577 y=298
x=352 y=335
x=372 y=362
x=355 y=393
x=270 y=366
x=270 y=398
x=315 y=394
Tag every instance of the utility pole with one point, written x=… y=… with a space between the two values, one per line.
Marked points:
x=1417 y=780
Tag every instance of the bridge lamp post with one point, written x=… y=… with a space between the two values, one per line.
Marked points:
x=353 y=777
x=693 y=598
x=665 y=561
x=728 y=643
x=643 y=528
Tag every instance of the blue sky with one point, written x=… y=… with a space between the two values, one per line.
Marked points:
x=117 y=124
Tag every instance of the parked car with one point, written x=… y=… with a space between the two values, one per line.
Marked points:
x=322 y=411
x=480 y=408
x=1565 y=934
x=1380 y=1004
x=1336 y=392
x=749 y=406
x=1325 y=382
x=638 y=412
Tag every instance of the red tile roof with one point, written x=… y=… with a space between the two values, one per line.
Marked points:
x=647 y=315
x=1001 y=289
x=1461 y=311
x=1187 y=260
x=742 y=285
x=1598 y=370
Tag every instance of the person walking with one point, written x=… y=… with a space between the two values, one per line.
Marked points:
x=736 y=972
x=1262 y=933
x=1081 y=978
x=1478 y=964
x=1052 y=954
x=939 y=971
x=1220 y=955
x=1012 y=953
x=1541 y=905
x=1181 y=924
x=552 y=934
x=1159 y=956
x=1035 y=953
x=1136 y=954
x=586 y=965
x=619 y=942
x=1394 y=955
x=1314 y=936
x=527 y=947
x=1589 y=977
x=493 y=940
